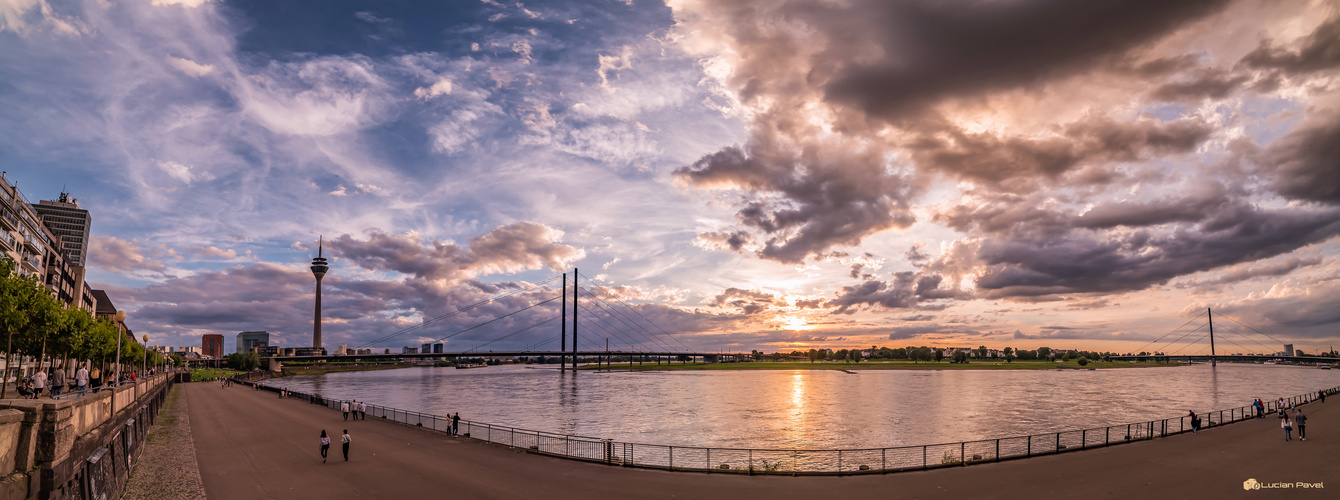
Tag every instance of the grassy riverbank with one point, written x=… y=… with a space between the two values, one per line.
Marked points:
x=308 y=369
x=211 y=374
x=884 y=365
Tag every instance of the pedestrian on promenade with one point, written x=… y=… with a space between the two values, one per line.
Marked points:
x=1260 y=409
x=362 y=411
x=344 y=407
x=81 y=380
x=1279 y=405
x=1322 y=396
x=1288 y=427
x=57 y=381
x=345 y=439
x=325 y=445
x=1301 y=419
x=1195 y=422
x=456 y=423
x=39 y=383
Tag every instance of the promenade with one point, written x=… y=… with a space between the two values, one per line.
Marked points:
x=251 y=445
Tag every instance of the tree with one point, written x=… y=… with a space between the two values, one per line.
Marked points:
x=16 y=293
x=981 y=352
x=939 y=354
x=960 y=356
x=1009 y=354
x=855 y=355
x=1044 y=352
x=1083 y=361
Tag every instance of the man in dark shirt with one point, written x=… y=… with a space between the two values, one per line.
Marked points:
x=1301 y=421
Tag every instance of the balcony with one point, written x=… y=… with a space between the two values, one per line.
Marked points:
x=8 y=220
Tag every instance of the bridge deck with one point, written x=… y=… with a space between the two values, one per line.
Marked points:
x=253 y=445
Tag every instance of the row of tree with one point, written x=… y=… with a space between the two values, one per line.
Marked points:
x=38 y=325
x=924 y=353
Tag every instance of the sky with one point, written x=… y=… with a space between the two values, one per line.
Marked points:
x=726 y=174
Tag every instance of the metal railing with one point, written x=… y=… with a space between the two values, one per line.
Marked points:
x=808 y=462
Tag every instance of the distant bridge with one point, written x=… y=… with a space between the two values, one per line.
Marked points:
x=651 y=356
x=1241 y=358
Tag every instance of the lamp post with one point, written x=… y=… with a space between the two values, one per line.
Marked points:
x=145 y=363
x=120 y=337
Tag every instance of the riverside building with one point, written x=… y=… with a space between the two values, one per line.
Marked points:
x=249 y=341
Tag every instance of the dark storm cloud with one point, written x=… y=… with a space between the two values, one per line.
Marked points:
x=1318 y=51
x=906 y=290
x=871 y=63
x=511 y=248
x=1213 y=84
x=1034 y=265
x=935 y=49
x=828 y=196
x=995 y=159
x=1306 y=163
x=747 y=301
x=1266 y=269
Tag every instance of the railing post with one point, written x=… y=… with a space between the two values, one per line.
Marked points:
x=709 y=460
x=1107 y=436
x=1083 y=439
x=1030 y=446
x=839 y=461
x=997 y=449
x=672 y=458
x=883 y=459
x=923 y=457
x=1058 y=442
x=962 y=453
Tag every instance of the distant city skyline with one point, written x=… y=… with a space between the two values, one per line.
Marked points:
x=783 y=176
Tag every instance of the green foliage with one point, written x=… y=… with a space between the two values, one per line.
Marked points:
x=1083 y=361
x=960 y=356
x=243 y=361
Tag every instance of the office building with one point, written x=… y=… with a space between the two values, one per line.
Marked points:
x=437 y=348
x=249 y=341
x=309 y=351
x=426 y=349
x=212 y=345
x=409 y=350
x=269 y=351
x=70 y=223
x=1288 y=349
x=37 y=250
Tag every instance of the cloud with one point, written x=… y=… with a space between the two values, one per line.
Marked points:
x=1318 y=51
x=116 y=255
x=1302 y=165
x=183 y=3
x=189 y=67
x=511 y=248
x=614 y=63
x=441 y=87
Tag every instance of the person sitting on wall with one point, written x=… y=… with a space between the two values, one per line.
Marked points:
x=25 y=390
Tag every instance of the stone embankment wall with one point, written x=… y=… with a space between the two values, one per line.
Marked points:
x=79 y=448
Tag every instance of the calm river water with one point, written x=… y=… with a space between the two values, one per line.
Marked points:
x=815 y=409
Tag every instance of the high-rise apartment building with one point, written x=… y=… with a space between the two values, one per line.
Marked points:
x=70 y=223
x=212 y=344
x=37 y=250
x=248 y=341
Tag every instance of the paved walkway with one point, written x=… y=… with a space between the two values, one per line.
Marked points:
x=167 y=470
x=253 y=445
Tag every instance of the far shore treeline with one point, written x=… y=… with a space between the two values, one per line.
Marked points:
x=937 y=354
x=38 y=325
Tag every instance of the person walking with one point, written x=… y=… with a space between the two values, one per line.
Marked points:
x=344 y=407
x=81 y=380
x=39 y=383
x=1288 y=427
x=456 y=423
x=1260 y=409
x=362 y=411
x=57 y=381
x=325 y=445
x=1195 y=422
x=1301 y=419
x=1322 y=396
x=345 y=439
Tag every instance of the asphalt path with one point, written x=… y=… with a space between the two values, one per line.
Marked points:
x=251 y=445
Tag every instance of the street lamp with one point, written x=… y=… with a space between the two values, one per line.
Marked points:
x=120 y=337
x=145 y=363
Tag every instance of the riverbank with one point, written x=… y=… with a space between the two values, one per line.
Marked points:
x=880 y=365
x=316 y=368
x=251 y=444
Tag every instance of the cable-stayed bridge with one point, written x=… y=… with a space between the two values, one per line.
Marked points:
x=1198 y=344
x=592 y=322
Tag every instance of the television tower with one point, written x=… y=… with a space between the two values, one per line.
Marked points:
x=319 y=269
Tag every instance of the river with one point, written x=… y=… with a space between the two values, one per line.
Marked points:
x=815 y=409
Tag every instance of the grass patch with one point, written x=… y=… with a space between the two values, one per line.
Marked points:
x=211 y=374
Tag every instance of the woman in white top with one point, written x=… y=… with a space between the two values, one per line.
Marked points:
x=325 y=446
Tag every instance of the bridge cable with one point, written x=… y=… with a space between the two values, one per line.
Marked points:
x=486 y=344
x=644 y=318
x=639 y=329
x=1281 y=342
x=431 y=321
x=1174 y=330
x=609 y=310
x=499 y=318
